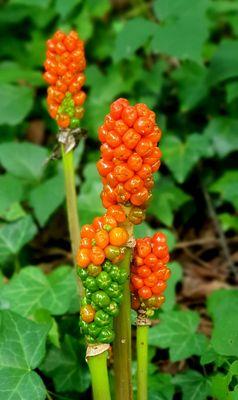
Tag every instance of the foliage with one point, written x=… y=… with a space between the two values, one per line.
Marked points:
x=181 y=58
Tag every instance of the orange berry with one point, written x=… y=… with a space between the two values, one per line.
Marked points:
x=151 y=280
x=140 y=197
x=102 y=238
x=83 y=258
x=144 y=147
x=143 y=126
x=131 y=138
x=85 y=243
x=87 y=313
x=87 y=231
x=137 y=281
x=129 y=115
x=63 y=120
x=159 y=287
x=97 y=255
x=109 y=221
x=97 y=223
x=135 y=162
x=123 y=173
x=117 y=212
x=151 y=260
x=143 y=271
x=118 y=236
x=104 y=167
x=143 y=247
x=145 y=292
x=134 y=184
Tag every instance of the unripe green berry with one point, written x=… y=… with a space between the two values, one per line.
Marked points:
x=82 y=273
x=94 y=270
x=106 y=335
x=102 y=318
x=103 y=280
x=94 y=329
x=114 y=290
x=91 y=284
x=112 y=309
x=101 y=298
x=107 y=266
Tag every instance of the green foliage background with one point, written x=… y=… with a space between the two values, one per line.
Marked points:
x=181 y=58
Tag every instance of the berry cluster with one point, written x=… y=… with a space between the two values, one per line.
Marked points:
x=149 y=273
x=102 y=246
x=129 y=154
x=64 y=65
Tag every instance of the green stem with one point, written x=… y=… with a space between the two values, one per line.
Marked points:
x=17 y=266
x=142 y=361
x=99 y=375
x=122 y=342
x=71 y=199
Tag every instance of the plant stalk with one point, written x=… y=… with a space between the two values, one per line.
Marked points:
x=71 y=199
x=99 y=375
x=122 y=342
x=142 y=361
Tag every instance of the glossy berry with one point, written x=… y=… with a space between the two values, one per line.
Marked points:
x=64 y=66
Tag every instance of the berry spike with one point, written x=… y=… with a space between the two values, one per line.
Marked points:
x=101 y=248
x=129 y=156
x=64 y=66
x=149 y=273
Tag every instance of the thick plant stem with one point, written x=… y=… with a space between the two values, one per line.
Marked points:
x=71 y=199
x=99 y=375
x=122 y=342
x=142 y=361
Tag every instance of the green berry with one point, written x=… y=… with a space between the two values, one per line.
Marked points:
x=94 y=329
x=112 y=309
x=123 y=275
x=115 y=273
x=84 y=326
x=102 y=318
x=107 y=266
x=91 y=284
x=74 y=121
x=82 y=273
x=119 y=298
x=101 y=298
x=90 y=339
x=150 y=312
x=106 y=335
x=114 y=290
x=103 y=280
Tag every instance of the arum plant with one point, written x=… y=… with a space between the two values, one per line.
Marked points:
x=64 y=67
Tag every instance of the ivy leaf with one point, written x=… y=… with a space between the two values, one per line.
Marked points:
x=228 y=222
x=22 y=348
x=43 y=316
x=222 y=306
x=194 y=386
x=31 y=290
x=227 y=187
x=191 y=79
x=177 y=331
x=133 y=35
x=161 y=386
x=15 y=103
x=89 y=202
x=181 y=157
x=11 y=192
x=24 y=160
x=64 y=8
x=15 y=235
x=67 y=366
x=47 y=197
x=224 y=63
x=167 y=198
x=222 y=132
x=170 y=292
x=12 y=72
x=184 y=28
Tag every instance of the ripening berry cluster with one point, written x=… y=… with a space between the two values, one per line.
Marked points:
x=64 y=66
x=102 y=246
x=129 y=154
x=149 y=273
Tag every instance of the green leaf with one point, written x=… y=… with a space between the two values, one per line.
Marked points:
x=219 y=386
x=227 y=187
x=170 y=292
x=222 y=305
x=67 y=366
x=223 y=133
x=15 y=235
x=47 y=197
x=24 y=160
x=84 y=24
x=160 y=386
x=15 y=103
x=64 y=8
x=11 y=192
x=37 y=3
x=167 y=198
x=133 y=35
x=231 y=91
x=11 y=72
x=22 y=348
x=43 y=316
x=224 y=64
x=228 y=222
x=98 y=9
x=89 y=202
x=194 y=386
x=181 y=157
x=184 y=28
x=191 y=79
x=31 y=290
x=14 y=212
x=177 y=331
